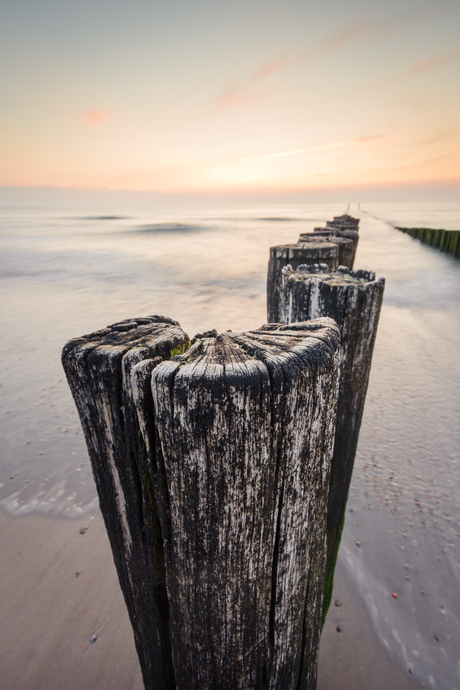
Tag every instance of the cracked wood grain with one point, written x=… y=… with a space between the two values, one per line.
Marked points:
x=244 y=427
x=353 y=300
x=98 y=369
x=319 y=251
x=217 y=518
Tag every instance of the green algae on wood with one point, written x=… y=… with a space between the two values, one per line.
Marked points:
x=446 y=240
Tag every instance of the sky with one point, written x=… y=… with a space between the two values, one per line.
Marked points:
x=205 y=96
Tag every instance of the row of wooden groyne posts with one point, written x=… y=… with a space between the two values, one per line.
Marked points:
x=223 y=465
x=446 y=240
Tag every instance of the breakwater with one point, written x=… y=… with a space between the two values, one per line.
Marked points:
x=445 y=240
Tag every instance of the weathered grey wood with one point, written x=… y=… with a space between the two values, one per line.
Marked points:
x=320 y=251
x=244 y=426
x=216 y=511
x=345 y=227
x=354 y=301
x=98 y=369
x=352 y=235
x=344 y=222
x=347 y=245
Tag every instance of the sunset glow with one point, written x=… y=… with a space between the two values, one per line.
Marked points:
x=203 y=97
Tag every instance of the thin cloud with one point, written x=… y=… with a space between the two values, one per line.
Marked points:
x=383 y=28
x=322 y=147
x=331 y=43
x=268 y=69
x=92 y=118
x=295 y=152
x=237 y=95
x=433 y=62
x=231 y=98
x=443 y=136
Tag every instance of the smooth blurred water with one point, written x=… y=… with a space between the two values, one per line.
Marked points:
x=66 y=273
x=404 y=501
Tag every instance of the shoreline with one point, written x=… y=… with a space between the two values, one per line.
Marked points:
x=53 y=614
x=359 y=658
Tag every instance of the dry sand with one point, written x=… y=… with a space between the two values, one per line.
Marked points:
x=49 y=615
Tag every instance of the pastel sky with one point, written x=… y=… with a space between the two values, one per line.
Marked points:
x=212 y=96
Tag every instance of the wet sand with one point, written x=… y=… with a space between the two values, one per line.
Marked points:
x=50 y=615
x=355 y=658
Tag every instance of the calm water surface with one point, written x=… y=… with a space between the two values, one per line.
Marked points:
x=67 y=272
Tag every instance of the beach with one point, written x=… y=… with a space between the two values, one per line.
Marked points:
x=65 y=623
x=59 y=590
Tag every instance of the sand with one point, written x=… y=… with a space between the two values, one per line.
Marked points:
x=355 y=658
x=50 y=615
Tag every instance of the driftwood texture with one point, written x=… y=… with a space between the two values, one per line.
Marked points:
x=347 y=245
x=345 y=227
x=354 y=301
x=98 y=369
x=316 y=252
x=238 y=434
x=344 y=222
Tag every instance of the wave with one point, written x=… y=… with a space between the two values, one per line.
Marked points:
x=185 y=228
x=101 y=218
x=281 y=219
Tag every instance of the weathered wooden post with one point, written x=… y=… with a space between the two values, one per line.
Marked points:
x=98 y=368
x=353 y=300
x=349 y=234
x=445 y=240
x=217 y=515
x=347 y=245
x=344 y=222
x=319 y=252
x=345 y=227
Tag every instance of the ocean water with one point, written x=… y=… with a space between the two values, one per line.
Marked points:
x=68 y=271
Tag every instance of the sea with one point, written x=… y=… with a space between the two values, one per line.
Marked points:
x=66 y=271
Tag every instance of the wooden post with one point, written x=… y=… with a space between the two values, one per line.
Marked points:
x=347 y=245
x=345 y=227
x=234 y=468
x=320 y=251
x=445 y=240
x=98 y=369
x=353 y=300
x=352 y=235
x=345 y=222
